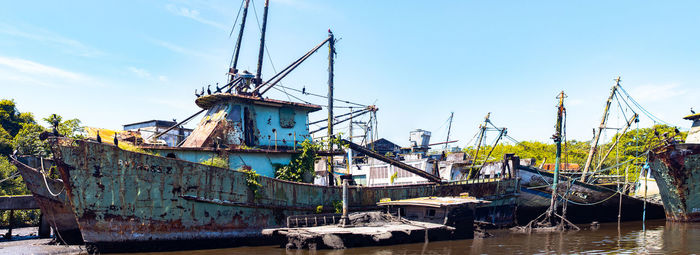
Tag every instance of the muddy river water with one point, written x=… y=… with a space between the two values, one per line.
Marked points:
x=656 y=237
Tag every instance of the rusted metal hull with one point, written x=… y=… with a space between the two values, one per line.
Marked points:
x=676 y=168
x=121 y=196
x=587 y=202
x=56 y=209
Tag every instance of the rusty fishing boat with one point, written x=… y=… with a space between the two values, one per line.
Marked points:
x=675 y=166
x=166 y=199
x=50 y=196
x=587 y=200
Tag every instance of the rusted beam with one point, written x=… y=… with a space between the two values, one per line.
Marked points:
x=594 y=143
x=177 y=125
x=23 y=202
x=390 y=161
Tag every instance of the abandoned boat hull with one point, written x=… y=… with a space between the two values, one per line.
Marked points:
x=56 y=209
x=587 y=202
x=120 y=196
x=676 y=169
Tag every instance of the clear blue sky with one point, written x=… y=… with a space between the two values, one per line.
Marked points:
x=114 y=62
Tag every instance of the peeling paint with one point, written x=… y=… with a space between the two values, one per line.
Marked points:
x=140 y=197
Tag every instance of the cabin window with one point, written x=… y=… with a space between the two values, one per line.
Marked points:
x=430 y=213
x=235 y=114
x=287 y=117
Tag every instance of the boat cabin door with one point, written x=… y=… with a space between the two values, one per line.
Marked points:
x=248 y=127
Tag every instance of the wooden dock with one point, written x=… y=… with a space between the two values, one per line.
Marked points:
x=23 y=202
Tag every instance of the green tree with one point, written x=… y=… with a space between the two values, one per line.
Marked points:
x=11 y=182
x=27 y=141
x=11 y=122
x=69 y=128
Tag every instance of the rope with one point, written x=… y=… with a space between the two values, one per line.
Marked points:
x=43 y=174
x=14 y=175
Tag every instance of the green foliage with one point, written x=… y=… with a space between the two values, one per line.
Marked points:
x=252 y=181
x=134 y=148
x=69 y=128
x=336 y=141
x=12 y=183
x=11 y=122
x=216 y=161
x=573 y=151
x=633 y=145
x=27 y=142
x=393 y=177
x=21 y=218
x=319 y=209
x=11 y=119
x=300 y=164
x=5 y=142
x=389 y=154
x=338 y=206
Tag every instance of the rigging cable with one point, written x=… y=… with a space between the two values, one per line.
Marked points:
x=649 y=114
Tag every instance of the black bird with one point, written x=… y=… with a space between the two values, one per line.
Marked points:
x=195 y=93
x=99 y=139
x=303 y=90
x=54 y=123
x=691 y=110
x=217 y=88
x=208 y=89
x=677 y=131
x=116 y=141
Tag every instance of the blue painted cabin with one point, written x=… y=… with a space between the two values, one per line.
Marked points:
x=248 y=130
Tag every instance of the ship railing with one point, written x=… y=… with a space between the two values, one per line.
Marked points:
x=313 y=220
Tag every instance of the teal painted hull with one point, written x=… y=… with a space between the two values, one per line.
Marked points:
x=676 y=168
x=121 y=196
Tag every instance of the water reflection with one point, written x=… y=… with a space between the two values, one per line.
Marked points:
x=660 y=237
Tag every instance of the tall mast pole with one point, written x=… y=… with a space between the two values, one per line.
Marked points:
x=351 y=140
x=240 y=37
x=258 y=73
x=449 y=128
x=478 y=146
x=331 y=55
x=557 y=139
x=594 y=143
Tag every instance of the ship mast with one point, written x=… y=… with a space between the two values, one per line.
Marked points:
x=557 y=140
x=258 y=73
x=594 y=143
x=238 y=41
x=331 y=55
x=449 y=128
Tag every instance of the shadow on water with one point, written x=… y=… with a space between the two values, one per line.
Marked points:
x=660 y=237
